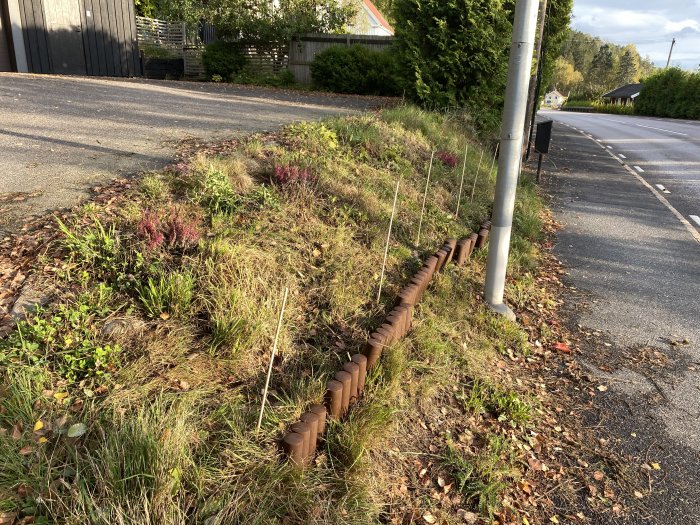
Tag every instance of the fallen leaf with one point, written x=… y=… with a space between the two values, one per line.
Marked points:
x=638 y=494
x=656 y=466
x=60 y=396
x=598 y=475
x=554 y=519
x=38 y=425
x=76 y=430
x=26 y=450
x=602 y=388
x=429 y=518
x=165 y=316
x=562 y=347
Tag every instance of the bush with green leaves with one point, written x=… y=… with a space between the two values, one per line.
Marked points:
x=358 y=70
x=455 y=52
x=223 y=58
x=670 y=93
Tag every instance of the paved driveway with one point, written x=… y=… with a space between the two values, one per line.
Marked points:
x=59 y=136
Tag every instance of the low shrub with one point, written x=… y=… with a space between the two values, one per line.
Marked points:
x=289 y=174
x=357 y=70
x=177 y=229
x=223 y=59
x=447 y=158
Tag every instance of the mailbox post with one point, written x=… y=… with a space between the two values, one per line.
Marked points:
x=542 y=141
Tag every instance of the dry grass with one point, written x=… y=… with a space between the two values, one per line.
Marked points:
x=171 y=426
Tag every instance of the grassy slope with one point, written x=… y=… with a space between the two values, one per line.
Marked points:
x=193 y=263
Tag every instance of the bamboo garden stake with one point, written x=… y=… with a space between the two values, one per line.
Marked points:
x=272 y=358
x=388 y=238
x=493 y=161
x=476 y=176
x=425 y=197
x=461 y=183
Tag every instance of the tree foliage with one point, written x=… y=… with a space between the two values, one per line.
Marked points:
x=670 y=93
x=258 y=22
x=565 y=78
x=177 y=10
x=263 y=24
x=455 y=52
x=603 y=66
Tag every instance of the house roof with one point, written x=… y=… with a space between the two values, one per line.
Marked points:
x=556 y=93
x=375 y=12
x=626 y=91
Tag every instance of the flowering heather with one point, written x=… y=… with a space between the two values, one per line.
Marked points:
x=447 y=158
x=149 y=228
x=287 y=174
x=180 y=229
x=177 y=229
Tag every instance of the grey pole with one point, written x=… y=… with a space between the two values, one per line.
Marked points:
x=668 y=62
x=512 y=129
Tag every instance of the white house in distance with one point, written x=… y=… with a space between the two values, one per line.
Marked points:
x=554 y=99
x=369 y=21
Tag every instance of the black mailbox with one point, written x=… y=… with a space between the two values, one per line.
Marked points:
x=544 y=136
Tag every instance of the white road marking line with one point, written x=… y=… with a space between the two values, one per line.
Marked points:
x=640 y=170
x=693 y=232
x=696 y=219
x=660 y=186
x=648 y=127
x=621 y=156
x=609 y=147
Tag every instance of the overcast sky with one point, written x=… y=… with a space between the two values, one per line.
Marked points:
x=650 y=24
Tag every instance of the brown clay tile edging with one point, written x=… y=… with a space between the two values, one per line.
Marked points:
x=347 y=386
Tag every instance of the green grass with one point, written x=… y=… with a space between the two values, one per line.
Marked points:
x=170 y=408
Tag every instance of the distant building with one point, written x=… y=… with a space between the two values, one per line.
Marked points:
x=369 y=21
x=554 y=99
x=623 y=95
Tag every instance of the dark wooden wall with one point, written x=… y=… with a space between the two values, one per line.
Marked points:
x=109 y=44
x=109 y=36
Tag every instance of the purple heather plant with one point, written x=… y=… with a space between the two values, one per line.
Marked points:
x=288 y=174
x=447 y=158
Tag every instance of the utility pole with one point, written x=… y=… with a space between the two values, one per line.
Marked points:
x=532 y=96
x=512 y=131
x=668 y=62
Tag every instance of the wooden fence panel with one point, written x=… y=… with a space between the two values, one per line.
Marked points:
x=304 y=48
x=161 y=33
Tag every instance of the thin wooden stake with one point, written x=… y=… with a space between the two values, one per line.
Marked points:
x=461 y=183
x=425 y=197
x=388 y=238
x=476 y=176
x=272 y=358
x=493 y=161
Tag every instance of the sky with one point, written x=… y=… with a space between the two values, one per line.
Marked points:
x=649 y=24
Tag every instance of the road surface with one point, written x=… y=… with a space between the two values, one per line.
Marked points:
x=665 y=152
x=59 y=136
x=633 y=256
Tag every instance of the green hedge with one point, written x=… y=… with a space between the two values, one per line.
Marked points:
x=670 y=93
x=358 y=70
x=223 y=59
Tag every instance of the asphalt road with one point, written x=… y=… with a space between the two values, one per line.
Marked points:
x=634 y=265
x=665 y=152
x=60 y=136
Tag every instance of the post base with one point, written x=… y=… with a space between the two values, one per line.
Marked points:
x=503 y=310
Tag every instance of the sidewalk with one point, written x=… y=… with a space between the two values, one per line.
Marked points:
x=636 y=273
